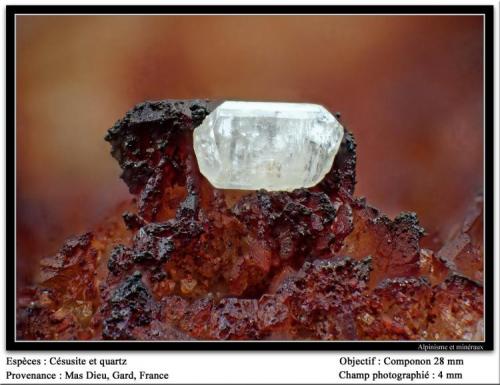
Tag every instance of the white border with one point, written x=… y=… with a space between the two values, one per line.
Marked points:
x=275 y=367
x=244 y=341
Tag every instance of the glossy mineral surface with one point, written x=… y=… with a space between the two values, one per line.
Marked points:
x=186 y=261
x=271 y=146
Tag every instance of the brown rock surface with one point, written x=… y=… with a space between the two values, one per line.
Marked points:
x=188 y=261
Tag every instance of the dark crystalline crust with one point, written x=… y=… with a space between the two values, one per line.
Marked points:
x=153 y=149
x=194 y=262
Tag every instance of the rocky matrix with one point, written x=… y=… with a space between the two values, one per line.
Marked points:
x=184 y=260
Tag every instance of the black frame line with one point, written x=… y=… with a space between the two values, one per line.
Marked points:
x=487 y=11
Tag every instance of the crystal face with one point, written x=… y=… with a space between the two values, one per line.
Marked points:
x=271 y=146
x=183 y=264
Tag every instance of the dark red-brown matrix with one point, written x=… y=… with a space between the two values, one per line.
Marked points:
x=188 y=261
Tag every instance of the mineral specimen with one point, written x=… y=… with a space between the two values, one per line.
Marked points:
x=185 y=260
x=271 y=146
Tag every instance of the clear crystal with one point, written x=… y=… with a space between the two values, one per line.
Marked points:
x=271 y=146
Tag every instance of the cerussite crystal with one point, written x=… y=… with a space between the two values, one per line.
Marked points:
x=271 y=146
x=184 y=260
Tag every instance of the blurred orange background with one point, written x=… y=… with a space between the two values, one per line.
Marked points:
x=409 y=88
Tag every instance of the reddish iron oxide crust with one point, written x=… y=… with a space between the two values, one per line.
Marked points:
x=188 y=261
